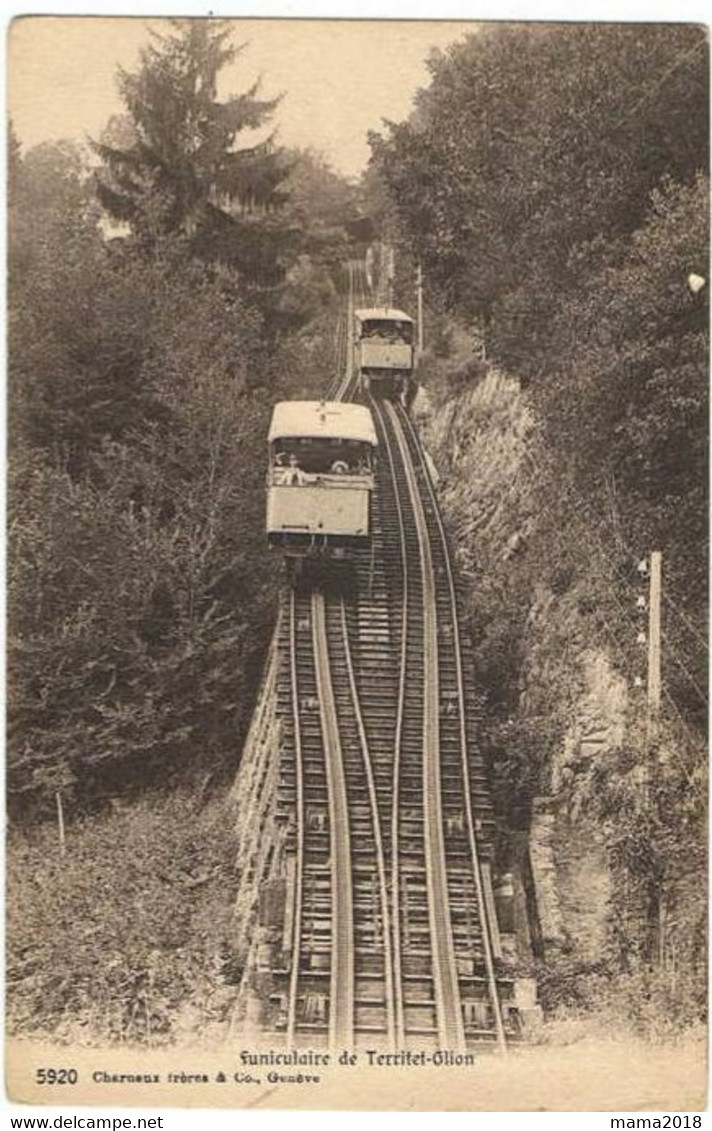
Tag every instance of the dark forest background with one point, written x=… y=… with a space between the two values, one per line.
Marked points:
x=159 y=292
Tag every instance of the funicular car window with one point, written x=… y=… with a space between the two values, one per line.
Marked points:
x=321 y=455
x=388 y=331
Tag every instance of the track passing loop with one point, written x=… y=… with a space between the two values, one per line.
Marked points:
x=389 y=928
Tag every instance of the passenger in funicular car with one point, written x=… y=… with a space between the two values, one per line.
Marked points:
x=315 y=461
x=287 y=472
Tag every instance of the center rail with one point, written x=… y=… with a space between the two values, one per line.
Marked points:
x=341 y=1014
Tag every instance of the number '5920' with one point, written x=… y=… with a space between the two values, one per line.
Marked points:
x=56 y=1076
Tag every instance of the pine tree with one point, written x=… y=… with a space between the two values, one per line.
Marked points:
x=184 y=180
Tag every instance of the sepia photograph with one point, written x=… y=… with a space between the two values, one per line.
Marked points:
x=357 y=565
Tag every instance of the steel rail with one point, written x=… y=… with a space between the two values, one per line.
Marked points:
x=343 y=353
x=299 y=867
x=341 y=386
x=341 y=1012
x=397 y=747
x=472 y=837
x=343 y=337
x=339 y=364
x=445 y=981
x=378 y=837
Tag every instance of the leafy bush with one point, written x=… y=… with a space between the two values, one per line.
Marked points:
x=644 y=1001
x=141 y=594
x=126 y=936
x=138 y=608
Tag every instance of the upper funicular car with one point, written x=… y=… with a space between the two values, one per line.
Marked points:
x=383 y=350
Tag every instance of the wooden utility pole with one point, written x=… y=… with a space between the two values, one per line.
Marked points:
x=419 y=291
x=60 y=821
x=657 y=911
x=654 y=649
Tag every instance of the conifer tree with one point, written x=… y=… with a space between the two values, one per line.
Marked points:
x=185 y=179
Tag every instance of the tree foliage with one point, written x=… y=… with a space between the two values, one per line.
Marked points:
x=320 y=204
x=185 y=176
x=552 y=179
x=627 y=411
x=76 y=331
x=140 y=593
x=531 y=143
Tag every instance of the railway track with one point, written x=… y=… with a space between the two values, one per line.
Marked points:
x=340 y=964
x=341 y=387
x=419 y=849
x=464 y=811
x=389 y=934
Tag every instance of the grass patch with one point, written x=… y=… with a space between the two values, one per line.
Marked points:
x=126 y=936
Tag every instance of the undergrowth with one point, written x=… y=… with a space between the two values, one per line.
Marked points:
x=124 y=937
x=644 y=1002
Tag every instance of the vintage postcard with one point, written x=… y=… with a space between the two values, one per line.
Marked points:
x=357 y=565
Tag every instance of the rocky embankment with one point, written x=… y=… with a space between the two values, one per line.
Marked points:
x=560 y=708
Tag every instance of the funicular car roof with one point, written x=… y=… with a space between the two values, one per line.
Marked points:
x=381 y=314
x=322 y=420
